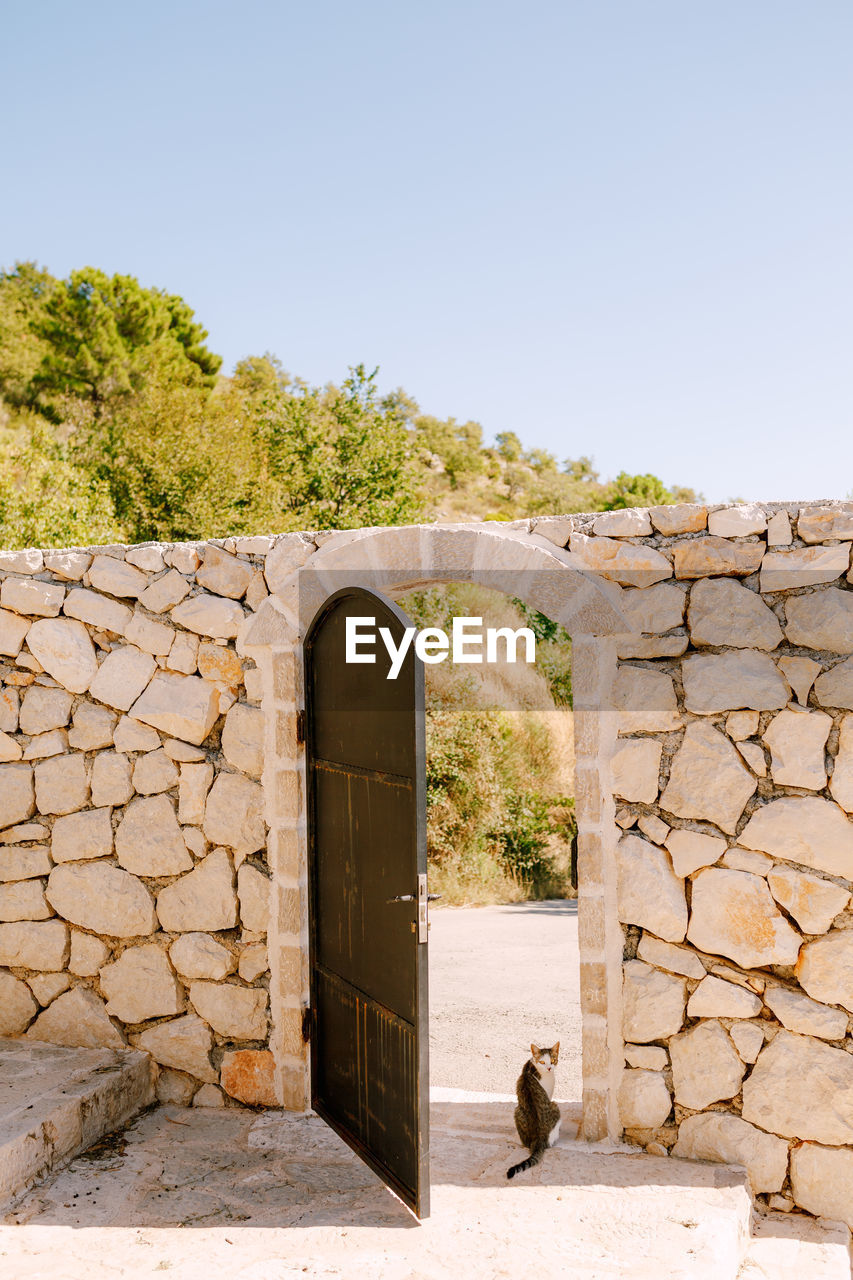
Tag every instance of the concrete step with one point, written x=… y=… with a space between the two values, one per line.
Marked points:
x=791 y=1246
x=56 y=1102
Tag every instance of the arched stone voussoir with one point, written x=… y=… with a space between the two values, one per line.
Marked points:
x=398 y=559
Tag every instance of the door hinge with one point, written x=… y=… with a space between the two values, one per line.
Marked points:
x=300 y=726
x=306 y=1024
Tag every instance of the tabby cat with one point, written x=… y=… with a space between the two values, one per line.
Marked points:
x=537 y=1118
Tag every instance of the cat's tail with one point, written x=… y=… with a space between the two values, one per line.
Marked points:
x=535 y=1156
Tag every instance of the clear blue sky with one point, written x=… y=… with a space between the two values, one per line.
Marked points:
x=619 y=227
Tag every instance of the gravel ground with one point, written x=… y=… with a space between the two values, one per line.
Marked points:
x=501 y=977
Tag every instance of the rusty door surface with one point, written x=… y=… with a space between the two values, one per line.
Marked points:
x=366 y=773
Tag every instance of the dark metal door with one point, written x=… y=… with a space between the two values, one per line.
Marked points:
x=367 y=877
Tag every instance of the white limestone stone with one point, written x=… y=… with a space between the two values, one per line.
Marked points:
x=183 y=1044
x=841 y=782
x=653 y=609
x=727 y=681
x=148 y=838
x=805 y=829
x=64 y=649
x=652 y=1003
x=182 y=706
x=196 y=780
x=622 y=562
x=243 y=739
x=67 y=565
x=705 y=1066
x=111 y=783
x=649 y=894
x=122 y=676
x=835 y=687
x=635 y=766
x=690 y=850
x=24 y=900
x=17 y=799
x=62 y=785
x=197 y=955
x=825 y=968
x=182 y=752
x=752 y=755
x=208 y=615
x=747 y=860
x=714 y=998
x=820 y=524
x=797 y=740
x=707 y=779
x=813 y=902
x=154 y=772
x=664 y=955
x=77 y=1018
x=821 y=620
x=18 y=863
x=254 y=961
x=727 y=1139
x=47 y=986
x=10 y=750
x=253 y=890
x=822 y=1181
x=152 y=637
x=27 y=561
x=801 y=1088
x=44 y=709
x=680 y=517
x=737 y=522
x=43 y=745
x=651 y=646
x=9 y=706
x=715 y=557
x=13 y=629
x=202 y=900
x=97 y=610
x=779 y=530
x=732 y=914
x=633 y=522
x=17 y=1006
x=88 y=954
x=116 y=577
x=224 y=574
x=234 y=813
x=650 y=1057
x=184 y=556
x=645 y=701
x=101 y=898
x=39 y=944
x=800 y=673
x=209 y=1096
x=32 y=598
x=80 y=837
x=92 y=727
x=164 y=593
x=290 y=553
x=803 y=567
x=748 y=1039
x=195 y=841
x=240 y=1013
x=149 y=558
x=131 y=735
x=722 y=612
x=806 y=1017
x=176 y=1088
x=141 y=985
x=652 y=826
x=644 y=1101
x=256 y=592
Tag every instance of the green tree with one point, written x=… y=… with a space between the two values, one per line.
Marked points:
x=637 y=491
x=24 y=292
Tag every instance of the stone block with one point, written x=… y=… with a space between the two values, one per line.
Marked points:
x=79 y=837
x=97 y=611
x=664 y=955
x=208 y=615
x=633 y=522
x=23 y=900
x=131 y=735
x=726 y=1139
x=803 y=567
x=823 y=524
x=196 y=780
x=197 y=955
x=17 y=798
x=636 y=764
x=737 y=522
x=202 y=900
x=10 y=750
x=625 y=563
x=797 y=740
x=150 y=636
x=164 y=593
x=804 y=829
x=47 y=986
x=253 y=962
x=44 y=745
x=68 y=565
x=649 y=893
x=806 y=1017
x=32 y=598
x=41 y=945
x=240 y=1013
x=88 y=954
x=800 y=674
x=185 y=707
x=92 y=727
x=249 y=1076
x=822 y=1181
x=9 y=708
x=154 y=773
x=715 y=998
x=644 y=1101
x=728 y=681
x=13 y=629
x=705 y=1066
x=62 y=785
x=122 y=676
x=715 y=557
x=652 y=1003
x=683 y=517
x=141 y=985
x=148 y=839
x=645 y=701
x=748 y=1039
x=176 y=1087
x=732 y=914
x=149 y=558
x=219 y=664
x=101 y=898
x=243 y=739
x=224 y=574
x=64 y=649
x=253 y=891
x=724 y=613
x=775 y=1099
x=234 y=814
x=23 y=863
x=116 y=577
x=835 y=687
x=77 y=1018
x=821 y=620
x=707 y=779
x=825 y=968
x=111 y=783
x=183 y=1044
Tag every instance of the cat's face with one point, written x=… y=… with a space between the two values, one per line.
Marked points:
x=545 y=1059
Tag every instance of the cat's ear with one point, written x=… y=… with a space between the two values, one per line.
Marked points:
x=534 y=1050
x=555 y=1052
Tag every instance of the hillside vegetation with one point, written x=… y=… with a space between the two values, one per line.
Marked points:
x=118 y=425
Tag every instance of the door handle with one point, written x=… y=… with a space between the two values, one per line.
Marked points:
x=402 y=897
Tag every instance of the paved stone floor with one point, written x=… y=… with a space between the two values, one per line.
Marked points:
x=195 y=1194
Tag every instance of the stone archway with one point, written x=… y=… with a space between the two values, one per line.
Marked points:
x=395 y=560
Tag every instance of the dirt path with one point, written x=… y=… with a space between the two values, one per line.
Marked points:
x=501 y=977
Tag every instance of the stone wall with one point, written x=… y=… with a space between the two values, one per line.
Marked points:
x=733 y=782
x=134 y=889
x=152 y=819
